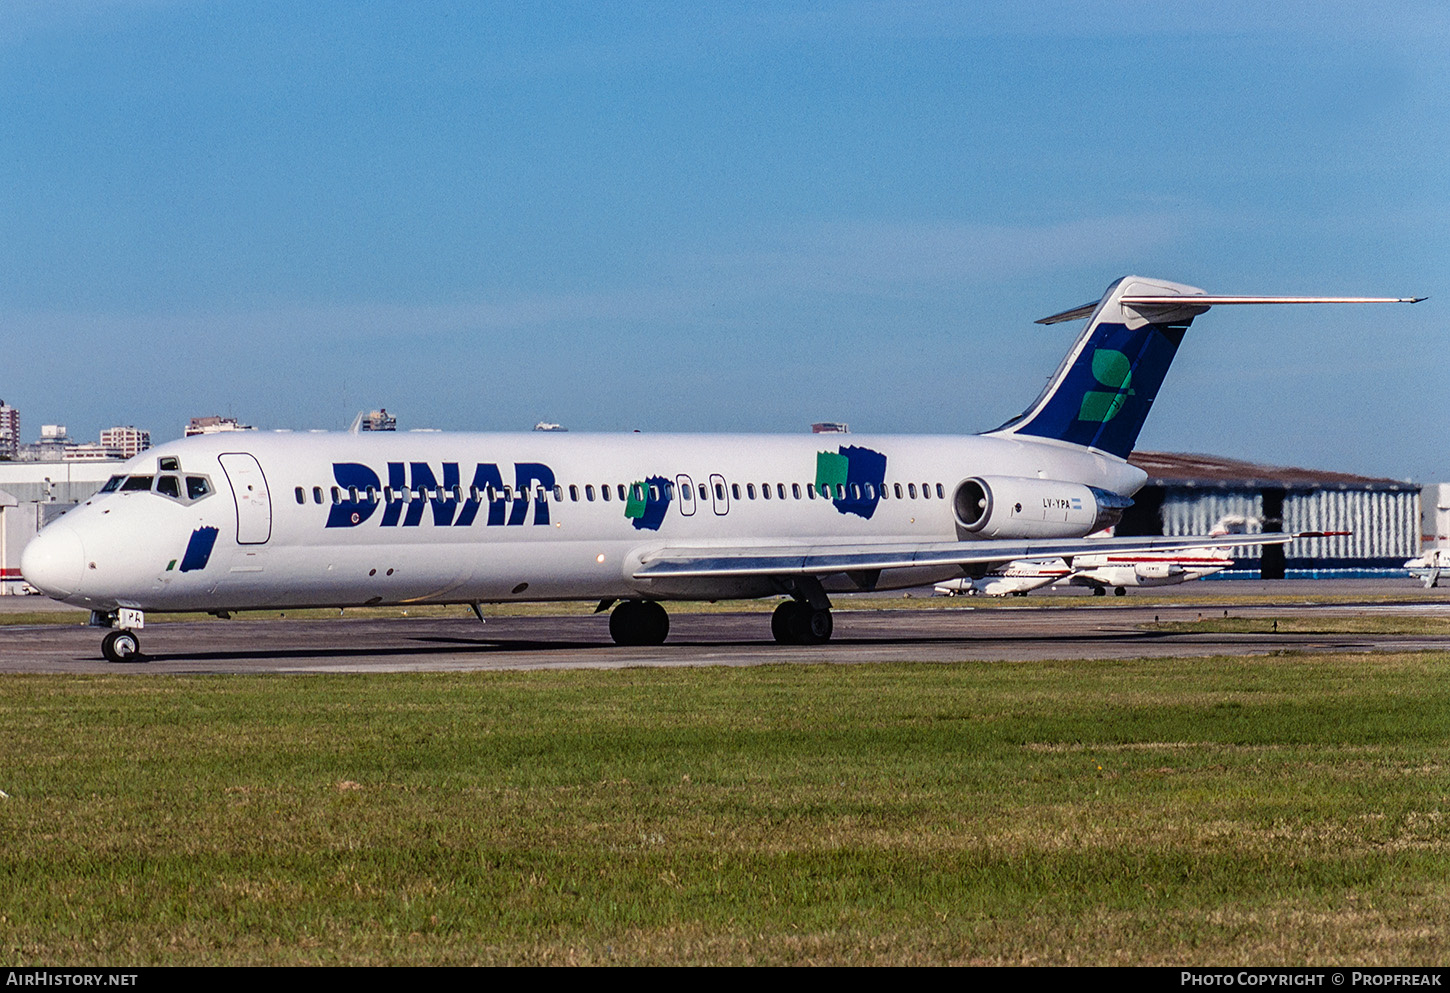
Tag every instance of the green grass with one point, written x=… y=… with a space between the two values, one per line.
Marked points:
x=1285 y=810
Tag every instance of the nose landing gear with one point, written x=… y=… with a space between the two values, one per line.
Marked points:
x=121 y=646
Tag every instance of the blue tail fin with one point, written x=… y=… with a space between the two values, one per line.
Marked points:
x=1101 y=394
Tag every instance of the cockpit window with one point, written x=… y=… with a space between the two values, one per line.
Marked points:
x=136 y=483
x=197 y=487
x=169 y=486
x=169 y=463
x=113 y=484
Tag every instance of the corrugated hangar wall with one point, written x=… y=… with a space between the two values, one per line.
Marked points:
x=1383 y=525
x=1190 y=494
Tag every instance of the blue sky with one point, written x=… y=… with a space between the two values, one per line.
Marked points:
x=745 y=217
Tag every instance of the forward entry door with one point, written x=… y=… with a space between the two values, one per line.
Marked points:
x=254 y=502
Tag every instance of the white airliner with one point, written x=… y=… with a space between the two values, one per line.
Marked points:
x=238 y=521
x=1101 y=572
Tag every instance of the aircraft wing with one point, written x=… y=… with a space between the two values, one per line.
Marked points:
x=824 y=559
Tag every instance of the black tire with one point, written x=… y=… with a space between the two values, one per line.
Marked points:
x=655 y=623
x=796 y=623
x=782 y=622
x=639 y=622
x=121 y=647
x=1120 y=591
x=819 y=625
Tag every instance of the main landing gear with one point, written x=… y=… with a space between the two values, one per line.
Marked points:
x=639 y=622
x=796 y=622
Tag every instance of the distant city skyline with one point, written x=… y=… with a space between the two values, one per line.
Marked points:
x=745 y=217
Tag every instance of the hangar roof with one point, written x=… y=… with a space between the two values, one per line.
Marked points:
x=1179 y=469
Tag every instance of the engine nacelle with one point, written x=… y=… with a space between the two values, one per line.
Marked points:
x=1022 y=507
x=1158 y=570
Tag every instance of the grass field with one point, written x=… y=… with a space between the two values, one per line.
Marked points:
x=1290 y=810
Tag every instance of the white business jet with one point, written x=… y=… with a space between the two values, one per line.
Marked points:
x=1104 y=571
x=231 y=522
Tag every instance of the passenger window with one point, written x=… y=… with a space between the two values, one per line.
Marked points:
x=316 y=492
x=654 y=491
x=136 y=483
x=795 y=490
x=197 y=487
x=558 y=494
x=898 y=491
x=750 y=490
x=589 y=493
x=604 y=491
x=704 y=493
x=621 y=492
x=573 y=493
x=941 y=492
x=840 y=491
x=735 y=490
x=911 y=490
x=810 y=491
x=169 y=486
x=719 y=491
x=301 y=497
x=885 y=492
x=926 y=491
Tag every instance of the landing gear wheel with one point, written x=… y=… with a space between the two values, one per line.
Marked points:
x=818 y=627
x=796 y=623
x=1120 y=591
x=782 y=621
x=1099 y=591
x=639 y=622
x=121 y=646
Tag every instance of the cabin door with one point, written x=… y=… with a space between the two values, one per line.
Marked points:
x=254 y=502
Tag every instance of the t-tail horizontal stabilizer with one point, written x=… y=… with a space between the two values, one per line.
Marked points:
x=1101 y=394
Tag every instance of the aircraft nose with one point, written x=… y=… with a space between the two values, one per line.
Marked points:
x=54 y=561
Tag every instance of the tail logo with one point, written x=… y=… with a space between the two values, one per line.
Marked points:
x=1112 y=369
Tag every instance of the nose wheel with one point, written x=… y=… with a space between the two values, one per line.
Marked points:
x=121 y=646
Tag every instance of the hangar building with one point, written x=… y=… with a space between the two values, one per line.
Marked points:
x=1189 y=494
